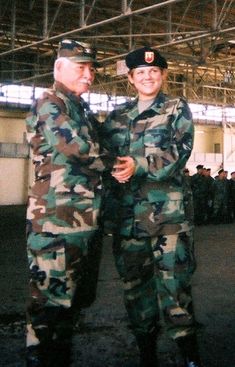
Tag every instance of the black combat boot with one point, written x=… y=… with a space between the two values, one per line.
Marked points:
x=148 y=349
x=33 y=357
x=189 y=348
x=36 y=354
x=42 y=356
x=62 y=339
x=61 y=353
x=55 y=354
x=39 y=355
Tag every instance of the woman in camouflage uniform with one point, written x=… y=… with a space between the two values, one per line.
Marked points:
x=153 y=246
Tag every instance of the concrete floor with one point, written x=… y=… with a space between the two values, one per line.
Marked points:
x=102 y=337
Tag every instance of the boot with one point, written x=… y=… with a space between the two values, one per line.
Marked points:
x=148 y=349
x=62 y=339
x=61 y=354
x=33 y=358
x=57 y=354
x=189 y=348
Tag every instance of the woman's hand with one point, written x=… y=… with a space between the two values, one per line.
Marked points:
x=123 y=169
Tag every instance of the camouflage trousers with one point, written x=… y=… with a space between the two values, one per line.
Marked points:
x=156 y=274
x=62 y=281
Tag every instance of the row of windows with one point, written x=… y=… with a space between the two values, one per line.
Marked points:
x=16 y=94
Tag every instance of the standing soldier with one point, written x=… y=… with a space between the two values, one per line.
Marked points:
x=220 y=198
x=209 y=195
x=63 y=204
x=232 y=196
x=153 y=249
x=199 y=189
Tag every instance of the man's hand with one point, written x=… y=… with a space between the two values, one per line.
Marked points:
x=123 y=169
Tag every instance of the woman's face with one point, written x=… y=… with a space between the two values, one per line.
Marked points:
x=147 y=80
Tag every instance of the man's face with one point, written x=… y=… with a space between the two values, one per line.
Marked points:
x=76 y=76
x=147 y=80
x=222 y=175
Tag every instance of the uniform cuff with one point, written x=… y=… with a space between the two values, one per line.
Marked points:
x=141 y=166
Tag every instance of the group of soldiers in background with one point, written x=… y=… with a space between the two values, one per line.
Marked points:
x=213 y=198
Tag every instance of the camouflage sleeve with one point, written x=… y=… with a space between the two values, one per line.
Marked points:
x=113 y=135
x=167 y=150
x=55 y=128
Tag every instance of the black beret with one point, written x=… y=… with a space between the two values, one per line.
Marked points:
x=77 y=51
x=145 y=56
x=199 y=166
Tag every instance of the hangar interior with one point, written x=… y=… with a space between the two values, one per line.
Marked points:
x=196 y=37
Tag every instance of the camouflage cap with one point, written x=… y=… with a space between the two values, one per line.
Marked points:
x=145 y=56
x=77 y=51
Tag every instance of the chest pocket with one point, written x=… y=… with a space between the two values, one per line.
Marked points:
x=157 y=140
x=159 y=132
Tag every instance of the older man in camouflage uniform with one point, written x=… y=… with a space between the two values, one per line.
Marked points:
x=64 y=202
x=153 y=246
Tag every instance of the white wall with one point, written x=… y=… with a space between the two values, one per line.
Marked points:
x=12 y=127
x=13 y=171
x=206 y=137
x=13 y=181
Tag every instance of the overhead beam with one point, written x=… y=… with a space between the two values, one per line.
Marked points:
x=82 y=14
x=90 y=26
x=13 y=23
x=45 y=19
x=55 y=17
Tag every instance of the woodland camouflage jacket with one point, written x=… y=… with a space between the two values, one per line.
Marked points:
x=160 y=140
x=65 y=195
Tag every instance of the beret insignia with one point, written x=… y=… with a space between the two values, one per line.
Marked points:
x=149 y=56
